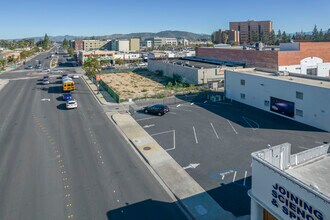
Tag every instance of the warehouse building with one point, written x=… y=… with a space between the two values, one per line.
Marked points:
x=290 y=187
x=193 y=71
x=304 y=99
x=307 y=58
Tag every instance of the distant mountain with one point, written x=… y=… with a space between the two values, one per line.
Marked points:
x=142 y=35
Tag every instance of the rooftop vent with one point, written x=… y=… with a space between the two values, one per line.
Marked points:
x=314 y=186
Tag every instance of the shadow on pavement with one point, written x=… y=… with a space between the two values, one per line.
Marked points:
x=55 y=89
x=62 y=106
x=147 y=210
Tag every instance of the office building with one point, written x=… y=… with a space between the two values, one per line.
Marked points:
x=249 y=28
x=77 y=45
x=120 y=45
x=226 y=37
x=134 y=44
x=290 y=186
x=100 y=54
x=93 y=44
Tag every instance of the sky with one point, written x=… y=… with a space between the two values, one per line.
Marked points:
x=34 y=18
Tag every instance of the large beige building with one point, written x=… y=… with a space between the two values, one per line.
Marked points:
x=100 y=54
x=93 y=44
x=232 y=37
x=134 y=44
x=247 y=28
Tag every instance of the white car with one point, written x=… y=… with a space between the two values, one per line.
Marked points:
x=71 y=103
x=56 y=71
x=75 y=76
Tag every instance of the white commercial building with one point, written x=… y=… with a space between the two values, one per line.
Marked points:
x=290 y=187
x=303 y=99
x=120 y=45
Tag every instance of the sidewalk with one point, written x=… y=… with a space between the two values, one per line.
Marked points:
x=192 y=197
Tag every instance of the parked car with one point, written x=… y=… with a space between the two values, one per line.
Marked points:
x=29 y=67
x=56 y=71
x=71 y=103
x=66 y=96
x=45 y=81
x=156 y=109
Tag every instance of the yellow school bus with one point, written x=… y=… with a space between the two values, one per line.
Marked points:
x=68 y=85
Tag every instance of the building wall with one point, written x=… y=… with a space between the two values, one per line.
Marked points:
x=134 y=44
x=258 y=89
x=307 y=49
x=190 y=75
x=78 y=45
x=252 y=58
x=262 y=190
x=93 y=44
x=120 y=45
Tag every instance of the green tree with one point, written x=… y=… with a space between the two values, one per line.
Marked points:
x=272 y=38
x=327 y=35
x=46 y=42
x=264 y=38
x=321 y=36
x=3 y=63
x=92 y=66
x=119 y=61
x=315 y=34
x=71 y=52
x=254 y=37
x=285 y=38
x=65 y=44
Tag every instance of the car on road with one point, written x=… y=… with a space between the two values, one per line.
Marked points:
x=67 y=96
x=29 y=67
x=71 y=103
x=56 y=71
x=156 y=109
x=75 y=76
x=45 y=81
x=65 y=75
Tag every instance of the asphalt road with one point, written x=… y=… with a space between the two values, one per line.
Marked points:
x=70 y=164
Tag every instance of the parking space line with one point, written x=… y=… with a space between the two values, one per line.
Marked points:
x=305 y=148
x=247 y=121
x=195 y=135
x=186 y=110
x=142 y=119
x=165 y=132
x=234 y=176
x=215 y=132
x=232 y=127
x=245 y=178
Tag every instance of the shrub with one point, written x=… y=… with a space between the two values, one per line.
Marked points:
x=144 y=90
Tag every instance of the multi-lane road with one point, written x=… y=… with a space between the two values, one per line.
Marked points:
x=69 y=164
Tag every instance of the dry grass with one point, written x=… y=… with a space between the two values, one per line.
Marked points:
x=135 y=86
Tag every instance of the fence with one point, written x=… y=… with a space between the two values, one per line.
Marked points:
x=113 y=94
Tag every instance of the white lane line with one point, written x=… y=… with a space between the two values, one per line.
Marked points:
x=178 y=105
x=173 y=148
x=149 y=126
x=234 y=176
x=247 y=121
x=215 y=132
x=245 y=178
x=165 y=132
x=181 y=109
x=305 y=148
x=173 y=113
x=142 y=119
x=195 y=135
x=232 y=127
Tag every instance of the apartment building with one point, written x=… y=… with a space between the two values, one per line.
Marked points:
x=247 y=28
x=93 y=44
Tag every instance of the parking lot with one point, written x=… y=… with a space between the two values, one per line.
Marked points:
x=213 y=143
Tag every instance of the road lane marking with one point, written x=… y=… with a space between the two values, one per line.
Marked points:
x=142 y=119
x=149 y=126
x=234 y=176
x=245 y=178
x=191 y=166
x=165 y=132
x=215 y=132
x=195 y=135
x=305 y=148
x=232 y=127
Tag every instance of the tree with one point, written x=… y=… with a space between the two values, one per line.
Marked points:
x=214 y=37
x=119 y=61
x=65 y=44
x=327 y=35
x=92 y=66
x=272 y=38
x=224 y=37
x=320 y=36
x=264 y=38
x=285 y=38
x=46 y=42
x=3 y=63
x=315 y=34
x=254 y=37
x=71 y=52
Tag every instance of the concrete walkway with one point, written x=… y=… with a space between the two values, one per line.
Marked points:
x=189 y=193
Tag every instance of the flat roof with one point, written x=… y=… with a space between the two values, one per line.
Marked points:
x=192 y=64
x=315 y=173
x=317 y=82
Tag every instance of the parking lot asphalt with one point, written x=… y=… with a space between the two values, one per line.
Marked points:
x=214 y=142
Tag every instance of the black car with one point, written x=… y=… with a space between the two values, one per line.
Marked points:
x=156 y=109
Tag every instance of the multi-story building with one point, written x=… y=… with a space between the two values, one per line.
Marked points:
x=93 y=44
x=183 y=42
x=232 y=37
x=163 y=41
x=146 y=44
x=100 y=54
x=308 y=58
x=120 y=45
x=248 y=29
x=77 y=45
x=134 y=44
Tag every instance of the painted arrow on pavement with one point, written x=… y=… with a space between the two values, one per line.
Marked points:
x=192 y=166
